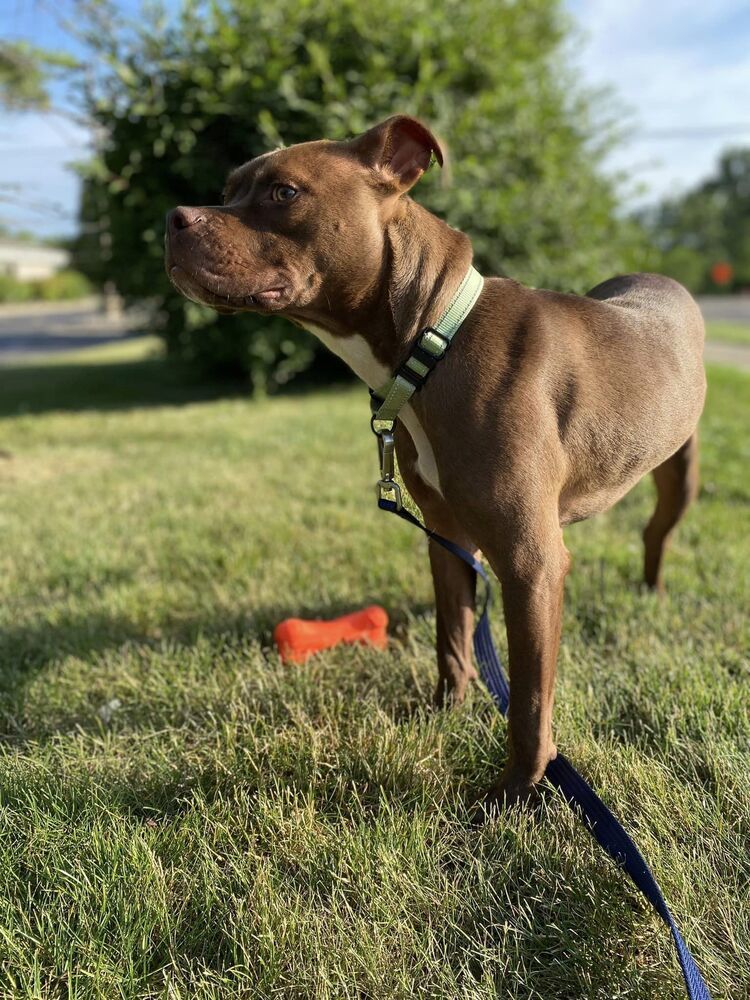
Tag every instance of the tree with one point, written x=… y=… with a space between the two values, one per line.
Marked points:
x=182 y=102
x=709 y=224
x=24 y=75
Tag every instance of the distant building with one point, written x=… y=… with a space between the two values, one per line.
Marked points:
x=27 y=262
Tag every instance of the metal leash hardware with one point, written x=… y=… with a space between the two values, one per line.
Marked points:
x=386 y=488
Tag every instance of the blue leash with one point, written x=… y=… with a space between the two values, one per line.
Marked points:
x=560 y=772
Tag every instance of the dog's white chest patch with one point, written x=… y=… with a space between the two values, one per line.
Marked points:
x=356 y=352
x=426 y=464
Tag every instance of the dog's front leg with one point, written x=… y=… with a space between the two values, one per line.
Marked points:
x=532 y=572
x=454 y=582
x=455 y=585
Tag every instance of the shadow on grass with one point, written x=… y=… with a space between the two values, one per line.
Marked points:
x=562 y=923
x=122 y=385
x=28 y=650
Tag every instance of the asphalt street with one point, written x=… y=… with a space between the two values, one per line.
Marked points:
x=41 y=329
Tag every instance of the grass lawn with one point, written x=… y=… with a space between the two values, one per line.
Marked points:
x=184 y=817
x=728 y=333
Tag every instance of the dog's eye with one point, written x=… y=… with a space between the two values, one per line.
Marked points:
x=283 y=192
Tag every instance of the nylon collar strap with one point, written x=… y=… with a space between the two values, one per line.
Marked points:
x=431 y=346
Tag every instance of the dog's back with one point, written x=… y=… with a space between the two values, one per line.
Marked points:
x=663 y=310
x=646 y=353
x=616 y=376
x=655 y=332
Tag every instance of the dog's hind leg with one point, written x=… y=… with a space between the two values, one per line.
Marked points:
x=676 y=486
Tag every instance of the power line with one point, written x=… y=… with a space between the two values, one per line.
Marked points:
x=694 y=131
x=690 y=132
x=10 y=150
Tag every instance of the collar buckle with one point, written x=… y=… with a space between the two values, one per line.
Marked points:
x=424 y=342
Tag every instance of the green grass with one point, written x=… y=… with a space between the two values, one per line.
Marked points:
x=184 y=817
x=728 y=333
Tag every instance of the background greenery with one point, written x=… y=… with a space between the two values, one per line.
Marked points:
x=25 y=73
x=182 y=817
x=63 y=285
x=707 y=225
x=180 y=103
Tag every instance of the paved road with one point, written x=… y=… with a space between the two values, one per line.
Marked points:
x=727 y=308
x=736 y=355
x=51 y=328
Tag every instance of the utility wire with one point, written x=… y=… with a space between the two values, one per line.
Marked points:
x=693 y=132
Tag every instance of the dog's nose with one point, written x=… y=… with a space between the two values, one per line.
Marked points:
x=184 y=217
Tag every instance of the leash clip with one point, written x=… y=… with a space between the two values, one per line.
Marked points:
x=386 y=447
x=387 y=484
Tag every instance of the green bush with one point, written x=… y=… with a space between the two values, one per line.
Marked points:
x=184 y=101
x=63 y=285
x=56 y=288
x=13 y=290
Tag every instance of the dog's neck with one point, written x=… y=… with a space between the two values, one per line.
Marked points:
x=424 y=261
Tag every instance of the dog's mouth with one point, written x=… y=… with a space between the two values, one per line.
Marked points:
x=195 y=287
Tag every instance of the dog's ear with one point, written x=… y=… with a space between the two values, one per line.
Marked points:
x=400 y=149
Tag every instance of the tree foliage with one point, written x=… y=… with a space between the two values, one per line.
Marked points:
x=709 y=224
x=24 y=75
x=22 y=78
x=182 y=101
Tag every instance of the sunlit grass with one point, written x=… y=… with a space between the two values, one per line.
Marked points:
x=183 y=816
x=728 y=333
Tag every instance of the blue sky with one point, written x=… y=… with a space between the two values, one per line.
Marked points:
x=680 y=70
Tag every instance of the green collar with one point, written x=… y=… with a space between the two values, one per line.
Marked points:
x=431 y=346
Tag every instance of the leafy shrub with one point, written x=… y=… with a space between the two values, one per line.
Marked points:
x=56 y=288
x=183 y=101
x=63 y=285
x=13 y=290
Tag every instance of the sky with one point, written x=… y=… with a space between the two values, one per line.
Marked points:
x=680 y=71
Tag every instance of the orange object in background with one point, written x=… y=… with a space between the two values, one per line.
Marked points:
x=722 y=272
x=298 y=638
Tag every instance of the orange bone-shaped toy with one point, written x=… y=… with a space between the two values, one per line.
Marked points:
x=298 y=638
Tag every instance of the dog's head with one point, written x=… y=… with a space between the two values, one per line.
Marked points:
x=299 y=225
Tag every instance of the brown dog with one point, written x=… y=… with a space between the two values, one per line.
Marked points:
x=547 y=409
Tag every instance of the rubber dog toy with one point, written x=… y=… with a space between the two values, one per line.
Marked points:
x=298 y=638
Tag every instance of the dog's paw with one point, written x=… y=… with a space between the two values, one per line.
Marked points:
x=497 y=801
x=512 y=789
x=452 y=690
